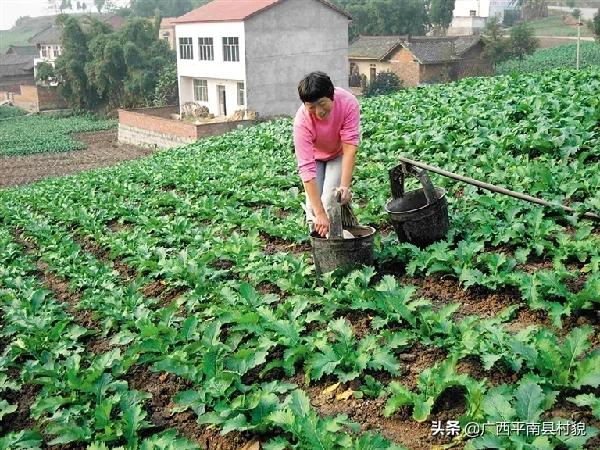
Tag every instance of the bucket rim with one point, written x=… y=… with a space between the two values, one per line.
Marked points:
x=442 y=191
x=373 y=231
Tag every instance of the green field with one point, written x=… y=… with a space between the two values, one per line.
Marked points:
x=553 y=25
x=176 y=295
x=7 y=112
x=552 y=58
x=45 y=133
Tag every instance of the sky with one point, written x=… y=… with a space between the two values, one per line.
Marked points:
x=11 y=10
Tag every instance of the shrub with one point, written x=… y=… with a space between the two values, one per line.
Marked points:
x=384 y=83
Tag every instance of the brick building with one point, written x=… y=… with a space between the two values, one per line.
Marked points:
x=419 y=60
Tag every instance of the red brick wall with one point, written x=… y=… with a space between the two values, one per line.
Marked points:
x=39 y=98
x=405 y=67
x=437 y=73
x=157 y=124
x=49 y=98
x=473 y=64
x=27 y=99
x=145 y=127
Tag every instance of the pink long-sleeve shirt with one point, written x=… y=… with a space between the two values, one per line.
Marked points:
x=322 y=140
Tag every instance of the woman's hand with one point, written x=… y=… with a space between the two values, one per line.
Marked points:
x=345 y=195
x=322 y=224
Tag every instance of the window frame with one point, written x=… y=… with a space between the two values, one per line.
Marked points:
x=188 y=46
x=231 y=49
x=203 y=89
x=206 y=49
x=241 y=93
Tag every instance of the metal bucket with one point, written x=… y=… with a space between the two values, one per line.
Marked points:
x=336 y=252
x=419 y=217
x=339 y=253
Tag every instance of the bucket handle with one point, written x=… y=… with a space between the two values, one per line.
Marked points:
x=398 y=174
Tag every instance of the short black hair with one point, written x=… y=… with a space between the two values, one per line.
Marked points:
x=314 y=86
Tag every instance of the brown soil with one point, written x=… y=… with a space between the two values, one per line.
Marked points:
x=566 y=410
x=400 y=427
x=103 y=150
x=163 y=387
x=274 y=244
x=474 y=301
x=126 y=272
x=20 y=419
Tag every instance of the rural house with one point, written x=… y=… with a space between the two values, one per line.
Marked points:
x=250 y=55
x=15 y=70
x=469 y=16
x=167 y=31
x=418 y=60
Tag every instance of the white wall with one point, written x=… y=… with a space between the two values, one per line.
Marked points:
x=483 y=8
x=186 y=94
x=211 y=69
x=218 y=71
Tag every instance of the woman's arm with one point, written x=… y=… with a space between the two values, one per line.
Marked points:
x=321 y=219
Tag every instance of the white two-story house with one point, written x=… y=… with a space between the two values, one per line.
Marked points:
x=250 y=54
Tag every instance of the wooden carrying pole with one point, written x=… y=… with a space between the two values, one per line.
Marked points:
x=494 y=188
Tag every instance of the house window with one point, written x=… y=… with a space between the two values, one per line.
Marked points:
x=205 y=49
x=56 y=51
x=166 y=35
x=186 y=49
x=472 y=13
x=241 y=91
x=201 y=90
x=231 y=49
x=44 y=51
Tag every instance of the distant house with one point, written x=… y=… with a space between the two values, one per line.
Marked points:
x=482 y=8
x=167 y=31
x=47 y=43
x=250 y=55
x=418 y=60
x=15 y=70
x=469 y=16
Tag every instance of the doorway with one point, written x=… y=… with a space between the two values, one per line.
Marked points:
x=221 y=95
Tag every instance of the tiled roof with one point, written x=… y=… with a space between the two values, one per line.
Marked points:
x=427 y=50
x=167 y=22
x=432 y=50
x=237 y=10
x=12 y=65
x=29 y=50
x=373 y=47
x=50 y=35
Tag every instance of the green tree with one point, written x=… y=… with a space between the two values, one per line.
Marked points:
x=495 y=46
x=532 y=9
x=385 y=17
x=440 y=13
x=165 y=92
x=101 y=68
x=70 y=65
x=44 y=72
x=522 y=41
x=595 y=25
